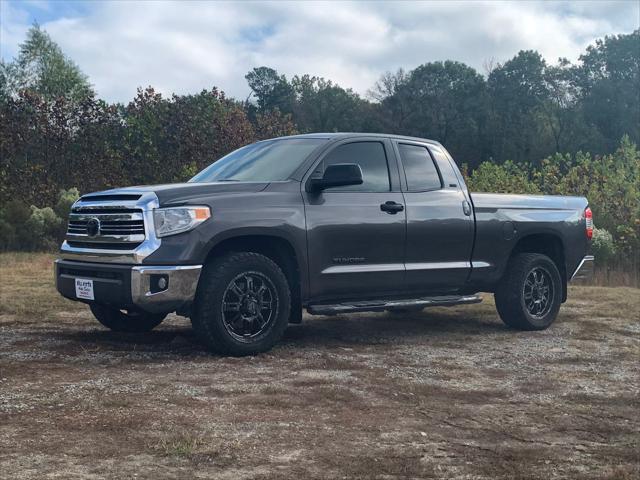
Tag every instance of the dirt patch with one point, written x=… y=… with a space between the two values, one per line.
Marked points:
x=448 y=393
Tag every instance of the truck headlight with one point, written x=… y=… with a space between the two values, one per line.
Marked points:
x=173 y=220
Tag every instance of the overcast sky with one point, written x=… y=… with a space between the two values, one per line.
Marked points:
x=187 y=46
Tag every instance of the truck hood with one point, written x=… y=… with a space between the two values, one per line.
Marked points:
x=177 y=193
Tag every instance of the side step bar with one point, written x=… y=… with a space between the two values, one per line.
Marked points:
x=381 y=305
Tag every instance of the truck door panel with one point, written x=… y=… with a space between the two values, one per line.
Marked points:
x=439 y=224
x=356 y=250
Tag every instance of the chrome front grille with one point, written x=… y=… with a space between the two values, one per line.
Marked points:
x=107 y=222
x=114 y=226
x=108 y=225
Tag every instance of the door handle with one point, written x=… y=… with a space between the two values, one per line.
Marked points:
x=391 y=207
x=466 y=208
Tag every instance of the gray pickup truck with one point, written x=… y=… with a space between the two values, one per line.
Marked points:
x=333 y=223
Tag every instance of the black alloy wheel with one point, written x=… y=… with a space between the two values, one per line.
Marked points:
x=537 y=292
x=249 y=305
x=530 y=293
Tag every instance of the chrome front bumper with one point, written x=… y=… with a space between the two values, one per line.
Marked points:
x=585 y=269
x=127 y=286
x=182 y=282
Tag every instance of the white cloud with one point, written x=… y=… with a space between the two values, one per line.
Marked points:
x=13 y=26
x=185 y=47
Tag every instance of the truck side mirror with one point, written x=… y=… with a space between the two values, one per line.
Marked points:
x=336 y=175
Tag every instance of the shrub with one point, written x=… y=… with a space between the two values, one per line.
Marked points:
x=42 y=229
x=66 y=198
x=506 y=178
x=32 y=228
x=603 y=246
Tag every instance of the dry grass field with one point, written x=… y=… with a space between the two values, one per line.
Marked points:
x=447 y=393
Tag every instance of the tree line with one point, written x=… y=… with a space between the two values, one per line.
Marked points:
x=507 y=125
x=56 y=132
x=523 y=110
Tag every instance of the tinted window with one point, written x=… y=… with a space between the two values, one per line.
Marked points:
x=419 y=168
x=372 y=160
x=268 y=161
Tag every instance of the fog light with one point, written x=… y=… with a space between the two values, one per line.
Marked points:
x=158 y=283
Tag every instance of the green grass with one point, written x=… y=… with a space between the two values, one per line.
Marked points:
x=27 y=286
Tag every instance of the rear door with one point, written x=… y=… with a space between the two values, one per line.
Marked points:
x=356 y=244
x=439 y=222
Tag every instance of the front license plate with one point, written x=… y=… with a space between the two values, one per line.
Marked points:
x=84 y=289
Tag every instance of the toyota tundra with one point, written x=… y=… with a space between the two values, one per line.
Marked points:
x=331 y=223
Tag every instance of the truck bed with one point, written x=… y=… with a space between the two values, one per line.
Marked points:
x=503 y=219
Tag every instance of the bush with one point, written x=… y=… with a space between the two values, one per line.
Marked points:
x=43 y=227
x=506 y=178
x=66 y=198
x=32 y=228
x=603 y=246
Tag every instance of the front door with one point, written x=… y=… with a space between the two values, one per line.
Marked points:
x=356 y=234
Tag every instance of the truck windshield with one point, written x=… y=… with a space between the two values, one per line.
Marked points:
x=268 y=161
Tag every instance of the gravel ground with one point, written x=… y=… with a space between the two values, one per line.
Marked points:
x=447 y=393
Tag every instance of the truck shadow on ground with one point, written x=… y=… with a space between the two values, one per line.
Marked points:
x=386 y=328
x=177 y=337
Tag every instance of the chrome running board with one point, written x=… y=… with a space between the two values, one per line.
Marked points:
x=381 y=305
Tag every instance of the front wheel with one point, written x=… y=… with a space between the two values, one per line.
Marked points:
x=530 y=293
x=131 y=322
x=242 y=304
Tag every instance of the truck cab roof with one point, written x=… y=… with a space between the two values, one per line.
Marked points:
x=355 y=135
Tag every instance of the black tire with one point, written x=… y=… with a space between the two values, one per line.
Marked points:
x=230 y=315
x=131 y=322
x=530 y=292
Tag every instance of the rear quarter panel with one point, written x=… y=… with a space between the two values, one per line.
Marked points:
x=502 y=220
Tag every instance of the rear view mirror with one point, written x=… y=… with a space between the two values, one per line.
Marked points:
x=337 y=175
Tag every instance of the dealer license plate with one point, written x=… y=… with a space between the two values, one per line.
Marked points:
x=84 y=289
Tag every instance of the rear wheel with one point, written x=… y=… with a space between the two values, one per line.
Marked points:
x=530 y=293
x=242 y=305
x=119 y=321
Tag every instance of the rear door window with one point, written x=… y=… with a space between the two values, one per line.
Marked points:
x=419 y=169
